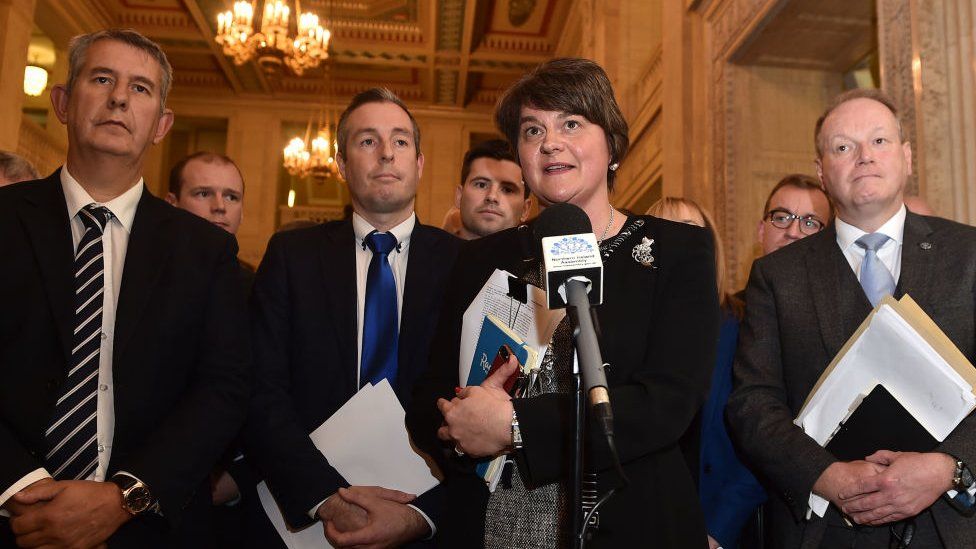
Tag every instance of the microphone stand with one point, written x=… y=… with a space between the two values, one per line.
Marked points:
x=576 y=499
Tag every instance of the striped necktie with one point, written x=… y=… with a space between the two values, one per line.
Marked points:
x=71 y=436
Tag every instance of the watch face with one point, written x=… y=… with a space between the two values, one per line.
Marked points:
x=138 y=499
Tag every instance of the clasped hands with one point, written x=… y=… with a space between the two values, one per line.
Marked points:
x=886 y=486
x=479 y=419
x=67 y=513
x=371 y=517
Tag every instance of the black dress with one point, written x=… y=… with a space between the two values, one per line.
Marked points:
x=658 y=331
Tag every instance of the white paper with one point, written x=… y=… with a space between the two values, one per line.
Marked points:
x=366 y=441
x=532 y=321
x=312 y=537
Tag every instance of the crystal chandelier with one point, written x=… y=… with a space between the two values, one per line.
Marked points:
x=314 y=158
x=273 y=47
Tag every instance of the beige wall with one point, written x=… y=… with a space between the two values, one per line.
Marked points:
x=16 y=21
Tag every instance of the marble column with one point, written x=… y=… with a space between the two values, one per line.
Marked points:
x=927 y=51
x=16 y=22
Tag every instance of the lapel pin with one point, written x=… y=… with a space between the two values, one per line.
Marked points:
x=642 y=252
x=925 y=245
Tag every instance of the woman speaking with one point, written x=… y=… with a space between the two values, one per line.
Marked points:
x=658 y=328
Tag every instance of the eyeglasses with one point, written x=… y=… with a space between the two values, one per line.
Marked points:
x=782 y=219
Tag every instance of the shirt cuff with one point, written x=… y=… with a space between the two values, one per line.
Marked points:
x=433 y=529
x=818 y=505
x=24 y=482
x=314 y=511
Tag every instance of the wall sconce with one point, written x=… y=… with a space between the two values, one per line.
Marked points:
x=35 y=80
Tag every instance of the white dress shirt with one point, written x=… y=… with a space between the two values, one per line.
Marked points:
x=115 y=241
x=890 y=256
x=398 y=262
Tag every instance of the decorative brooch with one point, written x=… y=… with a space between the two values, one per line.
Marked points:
x=642 y=252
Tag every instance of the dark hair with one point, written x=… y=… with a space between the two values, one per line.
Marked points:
x=78 y=50
x=176 y=174
x=850 y=95
x=16 y=168
x=802 y=182
x=570 y=85
x=493 y=148
x=372 y=95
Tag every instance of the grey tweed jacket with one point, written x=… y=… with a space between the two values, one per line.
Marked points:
x=803 y=303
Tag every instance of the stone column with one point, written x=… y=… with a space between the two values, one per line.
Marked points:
x=928 y=51
x=16 y=22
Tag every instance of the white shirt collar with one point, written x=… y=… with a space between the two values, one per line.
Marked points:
x=402 y=232
x=894 y=228
x=123 y=207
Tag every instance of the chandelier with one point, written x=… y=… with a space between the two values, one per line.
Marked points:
x=273 y=47
x=315 y=158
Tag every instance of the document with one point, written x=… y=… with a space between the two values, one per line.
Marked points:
x=899 y=348
x=366 y=441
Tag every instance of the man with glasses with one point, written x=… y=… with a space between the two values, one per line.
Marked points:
x=806 y=300
x=797 y=207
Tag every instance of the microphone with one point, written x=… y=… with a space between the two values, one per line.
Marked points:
x=574 y=279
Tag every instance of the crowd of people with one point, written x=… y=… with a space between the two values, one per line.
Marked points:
x=154 y=380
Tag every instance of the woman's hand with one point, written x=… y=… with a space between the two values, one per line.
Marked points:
x=479 y=419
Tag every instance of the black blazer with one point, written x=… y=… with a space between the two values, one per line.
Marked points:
x=303 y=314
x=804 y=302
x=181 y=362
x=659 y=329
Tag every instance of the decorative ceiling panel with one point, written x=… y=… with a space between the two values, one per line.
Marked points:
x=453 y=53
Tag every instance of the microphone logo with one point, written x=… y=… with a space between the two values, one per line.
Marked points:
x=570 y=245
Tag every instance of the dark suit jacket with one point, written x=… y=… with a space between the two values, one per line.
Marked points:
x=181 y=362
x=804 y=302
x=659 y=328
x=303 y=309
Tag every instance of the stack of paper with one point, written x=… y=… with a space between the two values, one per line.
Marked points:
x=901 y=349
x=366 y=441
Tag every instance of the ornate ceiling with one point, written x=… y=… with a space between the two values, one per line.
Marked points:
x=450 y=53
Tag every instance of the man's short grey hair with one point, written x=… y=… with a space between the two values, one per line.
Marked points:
x=372 y=95
x=16 y=168
x=79 y=45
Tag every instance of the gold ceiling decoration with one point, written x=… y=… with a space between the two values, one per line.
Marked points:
x=273 y=46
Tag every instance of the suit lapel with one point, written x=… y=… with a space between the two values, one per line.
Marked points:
x=916 y=262
x=418 y=292
x=338 y=259
x=838 y=299
x=148 y=252
x=45 y=217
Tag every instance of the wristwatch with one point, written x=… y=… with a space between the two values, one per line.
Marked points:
x=962 y=477
x=516 y=432
x=136 y=497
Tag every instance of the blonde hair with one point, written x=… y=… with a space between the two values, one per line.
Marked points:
x=669 y=207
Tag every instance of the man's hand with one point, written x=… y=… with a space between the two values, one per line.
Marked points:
x=479 y=419
x=841 y=476
x=910 y=483
x=15 y=508
x=346 y=516
x=223 y=489
x=389 y=523
x=713 y=543
x=77 y=513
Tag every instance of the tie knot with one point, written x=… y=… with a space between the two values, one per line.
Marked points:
x=873 y=241
x=95 y=217
x=381 y=243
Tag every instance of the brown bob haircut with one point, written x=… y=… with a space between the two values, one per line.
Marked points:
x=850 y=95
x=570 y=85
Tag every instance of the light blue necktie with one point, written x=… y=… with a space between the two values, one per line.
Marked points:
x=380 y=325
x=875 y=277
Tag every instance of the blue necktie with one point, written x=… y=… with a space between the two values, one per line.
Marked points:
x=71 y=435
x=875 y=277
x=380 y=325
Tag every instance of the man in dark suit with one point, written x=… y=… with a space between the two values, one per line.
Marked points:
x=122 y=349
x=340 y=305
x=805 y=301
